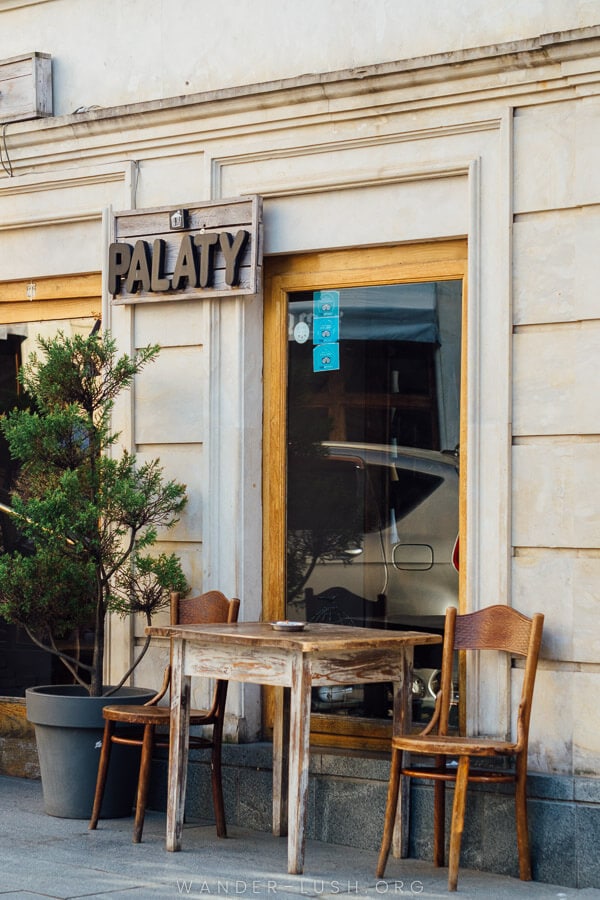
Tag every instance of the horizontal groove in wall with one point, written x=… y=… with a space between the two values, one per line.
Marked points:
x=551 y=327
x=557 y=439
x=549 y=210
x=541 y=552
x=152 y=448
x=554 y=665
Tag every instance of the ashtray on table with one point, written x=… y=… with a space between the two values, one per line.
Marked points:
x=286 y=625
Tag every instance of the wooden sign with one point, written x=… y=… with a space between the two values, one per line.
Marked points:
x=200 y=250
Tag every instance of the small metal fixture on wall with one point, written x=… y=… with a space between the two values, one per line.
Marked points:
x=179 y=220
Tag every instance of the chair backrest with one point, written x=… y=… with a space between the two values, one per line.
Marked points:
x=213 y=606
x=493 y=628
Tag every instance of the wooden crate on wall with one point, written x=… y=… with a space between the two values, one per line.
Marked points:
x=25 y=87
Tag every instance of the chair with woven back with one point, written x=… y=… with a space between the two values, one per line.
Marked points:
x=497 y=628
x=209 y=607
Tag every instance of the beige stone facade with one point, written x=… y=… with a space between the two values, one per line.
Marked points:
x=479 y=128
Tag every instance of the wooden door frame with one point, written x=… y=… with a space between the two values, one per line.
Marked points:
x=420 y=262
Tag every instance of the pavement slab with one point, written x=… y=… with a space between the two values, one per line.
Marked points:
x=47 y=857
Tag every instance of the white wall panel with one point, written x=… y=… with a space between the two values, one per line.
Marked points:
x=170 y=397
x=564 y=736
x=175 y=323
x=564 y=586
x=552 y=720
x=556 y=494
x=171 y=181
x=187 y=465
x=68 y=192
x=367 y=216
x=62 y=249
x=555 y=372
x=556 y=265
x=556 y=151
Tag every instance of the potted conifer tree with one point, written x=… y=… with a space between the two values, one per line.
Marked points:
x=89 y=514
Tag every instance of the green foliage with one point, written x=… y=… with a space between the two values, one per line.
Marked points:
x=46 y=591
x=145 y=586
x=86 y=510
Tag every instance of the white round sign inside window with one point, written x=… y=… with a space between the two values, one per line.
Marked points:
x=301 y=332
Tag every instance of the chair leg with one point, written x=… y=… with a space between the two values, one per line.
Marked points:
x=521 y=817
x=458 y=819
x=217 y=789
x=390 y=813
x=102 y=773
x=143 y=783
x=439 y=824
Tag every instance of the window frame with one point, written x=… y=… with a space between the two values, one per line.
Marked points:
x=403 y=263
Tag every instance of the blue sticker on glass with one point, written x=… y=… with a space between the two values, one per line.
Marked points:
x=326 y=303
x=326 y=330
x=326 y=357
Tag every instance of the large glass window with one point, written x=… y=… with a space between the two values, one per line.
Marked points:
x=372 y=459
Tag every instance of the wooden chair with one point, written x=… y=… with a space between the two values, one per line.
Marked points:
x=494 y=628
x=209 y=607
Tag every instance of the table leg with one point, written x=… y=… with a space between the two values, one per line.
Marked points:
x=178 y=746
x=299 y=761
x=281 y=743
x=402 y=721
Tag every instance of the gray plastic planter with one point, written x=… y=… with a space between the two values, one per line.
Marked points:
x=68 y=732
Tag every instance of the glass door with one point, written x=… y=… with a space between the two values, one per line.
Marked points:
x=372 y=471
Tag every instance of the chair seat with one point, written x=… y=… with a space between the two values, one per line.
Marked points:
x=150 y=715
x=453 y=745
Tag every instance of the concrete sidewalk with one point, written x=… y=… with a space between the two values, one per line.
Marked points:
x=42 y=856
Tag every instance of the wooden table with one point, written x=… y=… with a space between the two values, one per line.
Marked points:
x=322 y=654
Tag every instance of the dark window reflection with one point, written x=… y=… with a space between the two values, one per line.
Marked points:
x=372 y=502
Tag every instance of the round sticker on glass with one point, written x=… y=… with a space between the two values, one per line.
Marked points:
x=301 y=333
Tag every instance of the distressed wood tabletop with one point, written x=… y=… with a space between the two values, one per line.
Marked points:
x=316 y=636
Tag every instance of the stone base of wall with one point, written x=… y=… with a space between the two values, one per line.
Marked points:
x=347 y=794
x=18 y=753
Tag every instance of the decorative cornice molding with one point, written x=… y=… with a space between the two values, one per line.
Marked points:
x=44 y=221
x=491 y=124
x=385 y=177
x=388 y=175
x=568 y=64
x=521 y=55
x=33 y=184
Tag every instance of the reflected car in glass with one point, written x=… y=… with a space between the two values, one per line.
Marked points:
x=374 y=528
x=372 y=540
